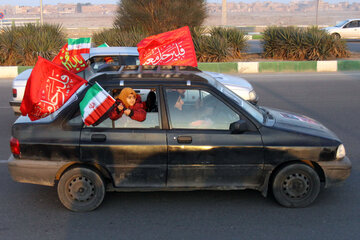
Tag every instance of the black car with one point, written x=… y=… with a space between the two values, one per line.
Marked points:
x=199 y=135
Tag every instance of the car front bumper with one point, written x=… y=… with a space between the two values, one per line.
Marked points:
x=32 y=171
x=336 y=171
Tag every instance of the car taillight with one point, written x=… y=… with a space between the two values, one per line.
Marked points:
x=14 y=91
x=15 y=146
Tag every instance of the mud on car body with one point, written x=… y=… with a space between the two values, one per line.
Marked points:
x=236 y=146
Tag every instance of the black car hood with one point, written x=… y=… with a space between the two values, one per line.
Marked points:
x=299 y=123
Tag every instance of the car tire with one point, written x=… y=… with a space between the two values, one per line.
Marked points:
x=81 y=189
x=296 y=185
x=336 y=35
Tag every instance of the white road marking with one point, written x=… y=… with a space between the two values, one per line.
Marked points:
x=3 y=161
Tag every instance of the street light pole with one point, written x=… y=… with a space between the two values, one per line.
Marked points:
x=223 y=13
x=317 y=11
x=41 y=13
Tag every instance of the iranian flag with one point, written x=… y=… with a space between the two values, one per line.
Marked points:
x=79 y=45
x=95 y=104
x=104 y=45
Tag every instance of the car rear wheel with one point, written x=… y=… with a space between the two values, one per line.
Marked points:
x=81 y=189
x=296 y=185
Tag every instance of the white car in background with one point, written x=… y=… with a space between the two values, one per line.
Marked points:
x=349 y=28
x=98 y=58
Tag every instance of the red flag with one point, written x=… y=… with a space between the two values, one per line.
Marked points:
x=48 y=88
x=169 y=48
x=73 y=61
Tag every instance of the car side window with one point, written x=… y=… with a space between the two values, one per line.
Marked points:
x=146 y=102
x=198 y=109
x=352 y=24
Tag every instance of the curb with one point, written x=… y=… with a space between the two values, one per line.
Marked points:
x=244 y=67
x=282 y=66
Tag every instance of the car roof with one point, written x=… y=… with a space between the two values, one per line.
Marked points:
x=152 y=74
x=108 y=51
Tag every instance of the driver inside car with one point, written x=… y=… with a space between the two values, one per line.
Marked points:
x=193 y=117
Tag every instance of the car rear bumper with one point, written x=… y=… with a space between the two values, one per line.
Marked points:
x=32 y=171
x=15 y=106
x=336 y=171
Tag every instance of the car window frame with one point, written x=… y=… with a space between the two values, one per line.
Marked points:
x=134 y=86
x=214 y=93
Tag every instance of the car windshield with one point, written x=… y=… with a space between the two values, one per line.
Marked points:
x=248 y=107
x=98 y=63
x=341 y=23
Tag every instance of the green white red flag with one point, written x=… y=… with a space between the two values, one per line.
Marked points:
x=72 y=61
x=104 y=45
x=47 y=89
x=95 y=104
x=79 y=45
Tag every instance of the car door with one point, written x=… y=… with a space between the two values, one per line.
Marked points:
x=202 y=151
x=351 y=30
x=135 y=153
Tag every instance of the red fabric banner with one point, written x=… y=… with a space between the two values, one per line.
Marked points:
x=71 y=61
x=48 y=88
x=169 y=48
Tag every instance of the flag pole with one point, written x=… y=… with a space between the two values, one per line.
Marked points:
x=223 y=13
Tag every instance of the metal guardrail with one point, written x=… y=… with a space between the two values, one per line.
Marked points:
x=8 y=22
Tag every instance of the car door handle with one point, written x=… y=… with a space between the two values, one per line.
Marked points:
x=98 y=138
x=184 y=139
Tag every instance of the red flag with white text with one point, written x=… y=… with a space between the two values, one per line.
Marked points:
x=169 y=48
x=72 y=61
x=48 y=88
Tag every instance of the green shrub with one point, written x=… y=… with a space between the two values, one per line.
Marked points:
x=118 y=37
x=234 y=37
x=219 y=45
x=22 y=45
x=292 y=43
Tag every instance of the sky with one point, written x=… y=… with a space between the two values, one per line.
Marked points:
x=37 y=2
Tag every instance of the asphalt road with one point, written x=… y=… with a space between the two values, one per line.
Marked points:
x=34 y=212
x=255 y=46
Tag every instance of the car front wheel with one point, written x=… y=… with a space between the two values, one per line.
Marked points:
x=81 y=189
x=336 y=35
x=296 y=185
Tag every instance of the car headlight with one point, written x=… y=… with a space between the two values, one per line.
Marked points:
x=252 y=95
x=340 y=153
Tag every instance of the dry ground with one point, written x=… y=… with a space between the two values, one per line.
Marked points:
x=86 y=24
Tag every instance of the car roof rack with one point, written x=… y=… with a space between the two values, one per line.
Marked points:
x=156 y=68
x=136 y=70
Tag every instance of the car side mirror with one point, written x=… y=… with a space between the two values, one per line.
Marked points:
x=238 y=127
